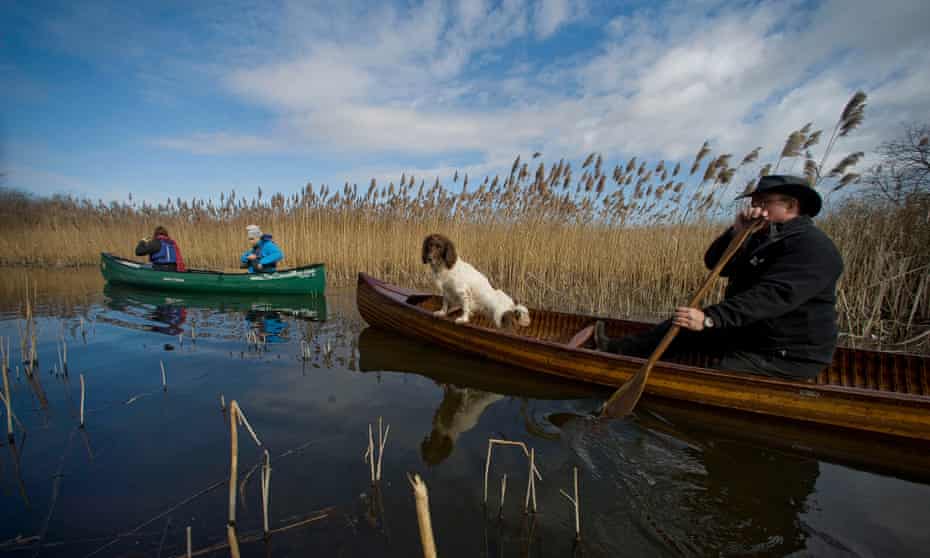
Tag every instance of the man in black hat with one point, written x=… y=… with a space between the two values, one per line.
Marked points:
x=778 y=315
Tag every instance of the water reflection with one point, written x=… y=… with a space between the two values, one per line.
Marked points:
x=469 y=385
x=675 y=479
x=159 y=312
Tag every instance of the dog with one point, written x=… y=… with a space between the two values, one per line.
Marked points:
x=463 y=285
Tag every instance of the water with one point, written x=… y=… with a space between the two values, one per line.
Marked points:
x=672 y=480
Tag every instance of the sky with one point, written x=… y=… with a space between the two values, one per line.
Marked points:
x=191 y=99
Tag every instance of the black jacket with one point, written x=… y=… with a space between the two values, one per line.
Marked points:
x=781 y=296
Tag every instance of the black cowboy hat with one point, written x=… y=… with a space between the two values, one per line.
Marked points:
x=795 y=186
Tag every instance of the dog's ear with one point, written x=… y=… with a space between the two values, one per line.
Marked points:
x=448 y=253
x=425 y=250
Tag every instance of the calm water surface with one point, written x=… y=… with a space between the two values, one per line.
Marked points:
x=672 y=480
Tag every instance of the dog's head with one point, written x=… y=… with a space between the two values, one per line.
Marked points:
x=438 y=251
x=519 y=316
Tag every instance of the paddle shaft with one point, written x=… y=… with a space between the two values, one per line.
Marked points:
x=624 y=400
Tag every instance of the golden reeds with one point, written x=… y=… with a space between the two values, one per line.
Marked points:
x=629 y=246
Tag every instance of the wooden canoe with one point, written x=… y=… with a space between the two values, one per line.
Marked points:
x=306 y=280
x=887 y=393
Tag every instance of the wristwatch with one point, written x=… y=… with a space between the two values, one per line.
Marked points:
x=708 y=321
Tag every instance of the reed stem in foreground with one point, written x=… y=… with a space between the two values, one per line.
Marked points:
x=421 y=496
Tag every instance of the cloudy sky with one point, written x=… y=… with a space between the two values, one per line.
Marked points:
x=196 y=98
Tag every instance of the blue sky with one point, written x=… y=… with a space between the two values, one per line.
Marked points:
x=193 y=99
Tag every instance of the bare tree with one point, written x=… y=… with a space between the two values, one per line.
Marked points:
x=904 y=171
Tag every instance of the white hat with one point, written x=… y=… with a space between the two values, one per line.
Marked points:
x=253 y=231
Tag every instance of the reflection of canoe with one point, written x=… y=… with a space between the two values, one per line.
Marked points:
x=381 y=350
x=305 y=280
x=307 y=307
x=704 y=426
x=863 y=390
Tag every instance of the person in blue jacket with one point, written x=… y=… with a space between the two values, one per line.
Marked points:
x=263 y=255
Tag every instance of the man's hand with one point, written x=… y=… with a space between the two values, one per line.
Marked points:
x=746 y=216
x=258 y=266
x=689 y=318
x=252 y=257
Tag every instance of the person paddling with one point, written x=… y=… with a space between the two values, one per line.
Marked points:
x=778 y=314
x=263 y=254
x=162 y=250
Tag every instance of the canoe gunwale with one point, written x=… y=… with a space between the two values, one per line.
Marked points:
x=846 y=406
x=112 y=257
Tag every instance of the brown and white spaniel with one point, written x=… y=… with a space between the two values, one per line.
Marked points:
x=464 y=286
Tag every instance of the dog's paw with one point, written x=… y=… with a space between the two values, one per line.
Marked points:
x=461 y=320
x=439 y=313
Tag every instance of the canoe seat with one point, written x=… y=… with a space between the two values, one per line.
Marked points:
x=582 y=337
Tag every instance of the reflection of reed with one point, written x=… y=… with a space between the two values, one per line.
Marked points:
x=56 y=487
x=16 y=452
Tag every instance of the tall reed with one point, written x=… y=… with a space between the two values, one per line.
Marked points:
x=618 y=239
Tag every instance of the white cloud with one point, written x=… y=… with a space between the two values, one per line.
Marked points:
x=550 y=14
x=410 y=81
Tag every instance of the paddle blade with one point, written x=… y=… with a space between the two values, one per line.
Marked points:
x=624 y=400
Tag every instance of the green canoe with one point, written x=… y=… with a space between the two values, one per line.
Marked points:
x=307 y=280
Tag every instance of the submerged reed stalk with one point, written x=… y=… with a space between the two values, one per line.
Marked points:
x=164 y=377
x=421 y=496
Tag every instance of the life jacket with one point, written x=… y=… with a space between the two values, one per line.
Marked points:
x=257 y=250
x=168 y=253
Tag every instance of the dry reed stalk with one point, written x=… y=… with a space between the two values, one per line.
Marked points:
x=82 y=399
x=370 y=455
x=421 y=496
x=245 y=422
x=233 y=467
x=382 y=441
x=188 y=541
x=487 y=463
x=266 y=490
x=233 y=541
x=500 y=512
x=574 y=502
x=531 y=485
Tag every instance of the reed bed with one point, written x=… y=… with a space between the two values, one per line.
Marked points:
x=622 y=238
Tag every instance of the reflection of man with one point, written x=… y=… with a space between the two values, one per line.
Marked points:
x=458 y=413
x=778 y=317
x=760 y=497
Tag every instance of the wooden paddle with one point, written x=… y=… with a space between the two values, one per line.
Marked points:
x=624 y=400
